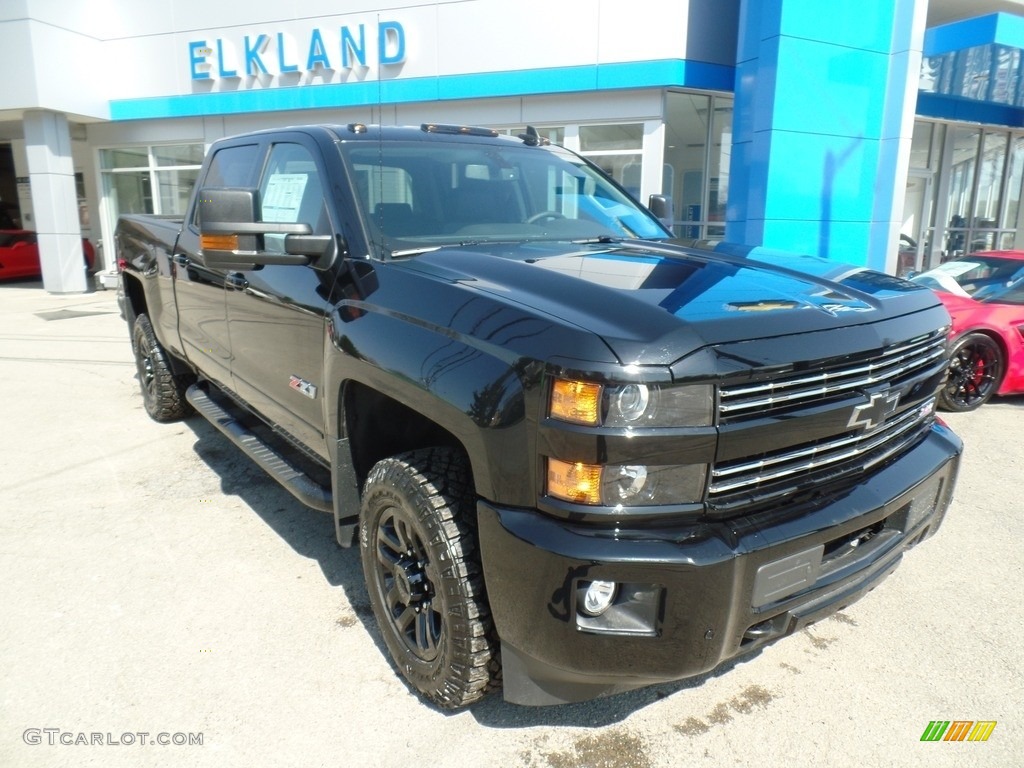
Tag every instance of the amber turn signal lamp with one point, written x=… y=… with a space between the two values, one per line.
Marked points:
x=218 y=242
x=578 y=402
x=574 y=481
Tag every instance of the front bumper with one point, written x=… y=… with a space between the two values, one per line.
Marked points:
x=694 y=595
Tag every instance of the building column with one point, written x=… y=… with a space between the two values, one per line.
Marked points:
x=824 y=116
x=54 y=201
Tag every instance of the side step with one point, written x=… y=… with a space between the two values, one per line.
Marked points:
x=299 y=484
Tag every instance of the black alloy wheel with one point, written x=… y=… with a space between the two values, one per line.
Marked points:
x=423 y=575
x=975 y=370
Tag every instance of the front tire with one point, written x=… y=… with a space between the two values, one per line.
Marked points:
x=976 y=368
x=163 y=393
x=420 y=559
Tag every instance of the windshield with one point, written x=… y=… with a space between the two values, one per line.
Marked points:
x=422 y=195
x=992 y=279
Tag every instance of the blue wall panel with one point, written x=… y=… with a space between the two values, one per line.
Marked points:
x=814 y=176
x=821 y=107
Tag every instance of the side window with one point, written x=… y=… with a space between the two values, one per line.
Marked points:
x=230 y=167
x=291 y=191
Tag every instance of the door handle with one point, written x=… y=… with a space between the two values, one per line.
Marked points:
x=236 y=281
x=181 y=260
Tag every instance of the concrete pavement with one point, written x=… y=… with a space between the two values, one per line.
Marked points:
x=153 y=581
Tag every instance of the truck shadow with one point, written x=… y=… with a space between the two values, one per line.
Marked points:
x=311 y=534
x=308 y=532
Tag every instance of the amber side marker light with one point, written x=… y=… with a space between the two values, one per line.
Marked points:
x=574 y=481
x=218 y=242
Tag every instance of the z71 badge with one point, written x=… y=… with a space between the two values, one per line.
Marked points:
x=302 y=386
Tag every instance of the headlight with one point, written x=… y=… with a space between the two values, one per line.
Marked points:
x=632 y=405
x=626 y=485
x=629 y=403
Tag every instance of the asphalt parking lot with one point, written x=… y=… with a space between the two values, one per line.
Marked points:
x=155 y=582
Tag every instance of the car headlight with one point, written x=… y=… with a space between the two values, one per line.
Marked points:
x=625 y=485
x=632 y=404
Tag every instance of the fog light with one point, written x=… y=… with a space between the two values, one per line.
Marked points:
x=598 y=597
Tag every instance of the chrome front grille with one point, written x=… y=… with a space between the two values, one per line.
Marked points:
x=795 y=390
x=812 y=388
x=775 y=474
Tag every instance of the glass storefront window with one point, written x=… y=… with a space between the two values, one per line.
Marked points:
x=556 y=135
x=698 y=140
x=962 y=169
x=972 y=186
x=1014 y=179
x=148 y=179
x=128 y=192
x=920 y=146
x=124 y=157
x=601 y=138
x=175 y=188
x=718 y=166
x=990 y=180
x=178 y=154
x=617 y=150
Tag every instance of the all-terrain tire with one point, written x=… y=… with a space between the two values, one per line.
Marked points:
x=163 y=393
x=420 y=559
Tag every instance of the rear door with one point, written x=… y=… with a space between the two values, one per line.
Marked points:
x=277 y=314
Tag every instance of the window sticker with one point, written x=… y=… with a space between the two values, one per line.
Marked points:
x=283 y=197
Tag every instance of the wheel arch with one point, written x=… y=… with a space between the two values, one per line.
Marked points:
x=968 y=386
x=375 y=422
x=134 y=298
x=993 y=334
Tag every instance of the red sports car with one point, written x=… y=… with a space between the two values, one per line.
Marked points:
x=984 y=293
x=19 y=254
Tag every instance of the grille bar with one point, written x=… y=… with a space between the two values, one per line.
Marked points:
x=803 y=389
x=753 y=475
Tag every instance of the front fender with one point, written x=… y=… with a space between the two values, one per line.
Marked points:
x=478 y=394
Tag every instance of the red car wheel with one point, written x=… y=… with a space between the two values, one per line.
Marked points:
x=976 y=368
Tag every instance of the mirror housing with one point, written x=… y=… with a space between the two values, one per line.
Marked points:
x=661 y=207
x=232 y=237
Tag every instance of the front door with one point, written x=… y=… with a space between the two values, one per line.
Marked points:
x=199 y=290
x=277 y=314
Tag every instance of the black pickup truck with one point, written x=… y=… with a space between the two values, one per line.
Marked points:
x=578 y=457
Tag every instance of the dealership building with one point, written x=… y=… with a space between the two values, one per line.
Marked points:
x=884 y=133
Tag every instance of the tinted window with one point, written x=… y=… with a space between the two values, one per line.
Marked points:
x=232 y=167
x=426 y=194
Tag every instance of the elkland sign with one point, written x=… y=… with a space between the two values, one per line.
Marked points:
x=320 y=51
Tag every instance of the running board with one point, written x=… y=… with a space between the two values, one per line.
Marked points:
x=299 y=484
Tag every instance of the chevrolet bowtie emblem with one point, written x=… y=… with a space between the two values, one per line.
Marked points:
x=873 y=413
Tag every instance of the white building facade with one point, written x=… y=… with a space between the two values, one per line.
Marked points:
x=704 y=101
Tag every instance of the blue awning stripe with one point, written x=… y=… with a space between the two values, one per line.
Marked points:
x=665 y=73
x=993 y=29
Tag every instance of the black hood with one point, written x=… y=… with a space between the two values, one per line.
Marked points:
x=653 y=303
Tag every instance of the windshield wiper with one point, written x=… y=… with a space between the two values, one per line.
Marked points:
x=413 y=251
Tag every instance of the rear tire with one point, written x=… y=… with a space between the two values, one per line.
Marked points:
x=976 y=369
x=420 y=559
x=163 y=393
